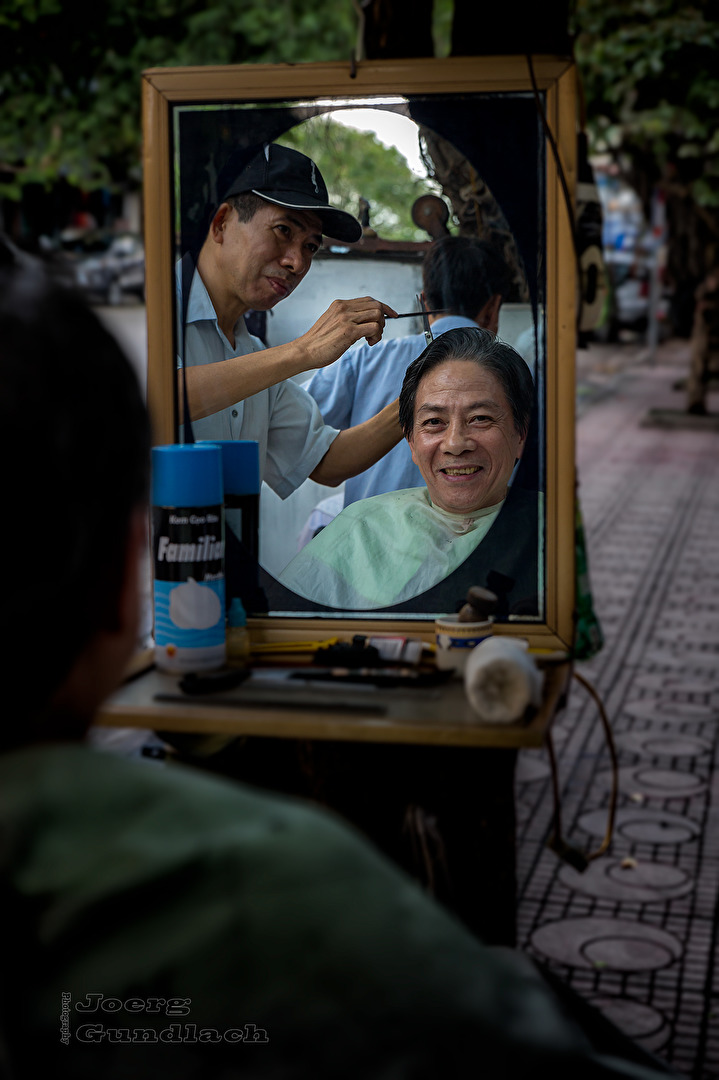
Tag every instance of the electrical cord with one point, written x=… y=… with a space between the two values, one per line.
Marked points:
x=571 y=855
x=549 y=134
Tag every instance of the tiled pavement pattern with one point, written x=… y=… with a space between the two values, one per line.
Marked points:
x=638 y=932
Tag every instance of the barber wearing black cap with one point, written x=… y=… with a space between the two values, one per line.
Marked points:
x=258 y=248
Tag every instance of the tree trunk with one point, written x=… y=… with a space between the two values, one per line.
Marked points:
x=395 y=29
x=491 y=29
x=693 y=251
x=403 y=28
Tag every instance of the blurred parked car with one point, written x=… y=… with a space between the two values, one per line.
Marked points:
x=630 y=285
x=106 y=266
x=632 y=255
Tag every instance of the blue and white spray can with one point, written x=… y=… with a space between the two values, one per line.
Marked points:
x=188 y=549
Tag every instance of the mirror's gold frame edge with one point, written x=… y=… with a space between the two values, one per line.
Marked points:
x=164 y=87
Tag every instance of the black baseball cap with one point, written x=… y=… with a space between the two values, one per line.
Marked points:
x=288 y=178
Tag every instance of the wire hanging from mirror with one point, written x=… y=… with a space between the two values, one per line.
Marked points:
x=560 y=172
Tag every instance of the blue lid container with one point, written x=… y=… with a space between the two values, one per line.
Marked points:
x=187 y=475
x=240 y=465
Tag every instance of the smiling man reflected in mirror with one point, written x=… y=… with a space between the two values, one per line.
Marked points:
x=259 y=247
x=467 y=280
x=465 y=410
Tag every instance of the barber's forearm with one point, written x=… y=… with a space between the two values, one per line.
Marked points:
x=212 y=387
x=356 y=448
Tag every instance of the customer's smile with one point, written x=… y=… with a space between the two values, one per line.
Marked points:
x=464 y=441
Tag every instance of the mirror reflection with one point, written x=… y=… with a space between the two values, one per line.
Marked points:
x=452 y=227
x=465 y=408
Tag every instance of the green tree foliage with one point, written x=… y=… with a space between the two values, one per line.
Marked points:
x=356 y=165
x=70 y=72
x=651 y=82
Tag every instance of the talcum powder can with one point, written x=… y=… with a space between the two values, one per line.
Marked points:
x=188 y=550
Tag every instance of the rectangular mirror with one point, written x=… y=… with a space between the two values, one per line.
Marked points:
x=484 y=135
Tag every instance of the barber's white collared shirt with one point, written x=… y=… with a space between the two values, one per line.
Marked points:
x=283 y=419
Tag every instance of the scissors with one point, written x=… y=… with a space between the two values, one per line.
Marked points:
x=428 y=336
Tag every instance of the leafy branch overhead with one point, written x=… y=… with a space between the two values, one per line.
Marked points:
x=70 y=82
x=356 y=165
x=651 y=80
x=70 y=73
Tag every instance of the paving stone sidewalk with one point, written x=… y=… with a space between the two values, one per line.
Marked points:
x=637 y=933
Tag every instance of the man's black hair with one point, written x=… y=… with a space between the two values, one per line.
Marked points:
x=483 y=348
x=75 y=441
x=246 y=205
x=461 y=273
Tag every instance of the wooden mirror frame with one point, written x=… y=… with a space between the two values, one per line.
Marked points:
x=165 y=88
